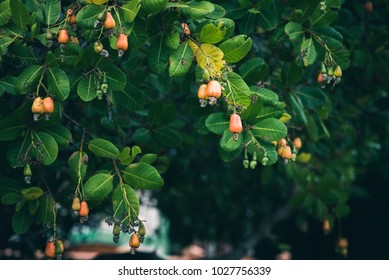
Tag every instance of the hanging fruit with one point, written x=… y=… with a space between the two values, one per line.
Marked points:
x=368 y=6
x=84 y=211
x=109 y=22
x=48 y=105
x=50 y=250
x=213 y=91
x=201 y=94
x=186 y=28
x=297 y=143
x=134 y=241
x=76 y=204
x=63 y=36
x=122 y=44
x=326 y=226
x=235 y=125
x=37 y=106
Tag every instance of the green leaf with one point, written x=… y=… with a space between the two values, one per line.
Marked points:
x=252 y=111
x=268 y=96
x=11 y=198
x=119 y=197
x=312 y=129
x=86 y=88
x=248 y=23
x=217 y=13
x=20 y=15
x=148 y=158
x=153 y=6
x=21 y=220
x=269 y=130
x=60 y=134
x=130 y=10
x=338 y=51
x=238 y=91
x=131 y=98
x=180 y=60
x=58 y=83
x=32 y=193
x=116 y=79
x=253 y=70
x=19 y=153
x=235 y=49
x=230 y=156
x=217 y=123
x=88 y=15
x=142 y=135
x=28 y=79
x=158 y=56
x=8 y=83
x=228 y=143
x=311 y=97
x=5 y=12
x=142 y=176
x=172 y=40
x=10 y=128
x=324 y=19
x=308 y=52
x=45 y=212
x=127 y=155
x=198 y=10
x=33 y=206
x=167 y=136
x=228 y=25
x=98 y=186
x=307 y=6
x=103 y=148
x=212 y=34
x=77 y=161
x=267 y=14
x=52 y=10
x=295 y=32
x=298 y=108
x=46 y=149
x=4 y=43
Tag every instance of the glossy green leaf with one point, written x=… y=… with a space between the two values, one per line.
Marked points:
x=217 y=13
x=103 y=148
x=88 y=15
x=120 y=197
x=308 y=52
x=153 y=6
x=60 y=134
x=116 y=78
x=32 y=193
x=198 y=10
x=253 y=70
x=321 y=18
x=78 y=164
x=249 y=115
x=228 y=143
x=180 y=60
x=21 y=221
x=28 y=79
x=311 y=97
x=148 y=158
x=212 y=34
x=268 y=96
x=269 y=130
x=20 y=15
x=58 y=83
x=158 y=56
x=235 y=49
x=172 y=40
x=142 y=176
x=230 y=156
x=5 y=12
x=228 y=25
x=86 y=88
x=267 y=14
x=8 y=185
x=46 y=210
x=217 y=123
x=46 y=148
x=11 y=198
x=130 y=10
x=131 y=98
x=295 y=32
x=98 y=186
x=4 y=43
x=52 y=10
x=237 y=91
x=127 y=155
